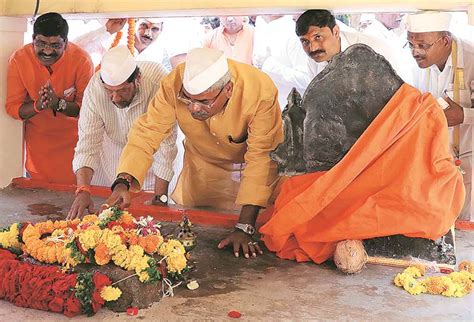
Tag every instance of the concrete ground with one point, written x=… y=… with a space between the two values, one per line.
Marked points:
x=261 y=289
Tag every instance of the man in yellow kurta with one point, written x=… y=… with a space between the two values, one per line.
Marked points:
x=229 y=114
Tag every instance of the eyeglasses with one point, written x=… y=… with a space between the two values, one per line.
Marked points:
x=188 y=101
x=43 y=45
x=422 y=47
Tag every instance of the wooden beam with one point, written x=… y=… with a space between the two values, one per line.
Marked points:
x=170 y=8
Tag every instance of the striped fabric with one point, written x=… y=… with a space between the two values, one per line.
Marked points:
x=103 y=129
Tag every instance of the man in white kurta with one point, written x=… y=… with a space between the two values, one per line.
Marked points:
x=278 y=53
x=105 y=120
x=295 y=66
x=446 y=70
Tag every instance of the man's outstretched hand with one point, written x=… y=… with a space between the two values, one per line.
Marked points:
x=120 y=197
x=240 y=240
x=82 y=202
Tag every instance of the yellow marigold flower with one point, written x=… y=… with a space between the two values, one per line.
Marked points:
x=89 y=239
x=171 y=246
x=90 y=219
x=413 y=271
x=135 y=249
x=414 y=287
x=143 y=276
x=463 y=280
x=401 y=278
x=175 y=263
x=9 y=239
x=110 y=293
x=451 y=288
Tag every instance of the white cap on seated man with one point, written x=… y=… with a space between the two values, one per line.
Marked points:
x=117 y=56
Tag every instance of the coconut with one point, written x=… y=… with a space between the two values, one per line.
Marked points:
x=350 y=256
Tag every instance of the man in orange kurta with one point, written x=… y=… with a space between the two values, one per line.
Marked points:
x=398 y=178
x=45 y=83
x=234 y=37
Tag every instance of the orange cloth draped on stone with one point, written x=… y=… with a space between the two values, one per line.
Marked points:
x=49 y=139
x=398 y=178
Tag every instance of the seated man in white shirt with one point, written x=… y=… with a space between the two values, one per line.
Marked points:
x=115 y=96
x=446 y=70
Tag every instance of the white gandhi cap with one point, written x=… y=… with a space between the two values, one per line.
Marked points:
x=117 y=65
x=204 y=67
x=429 y=21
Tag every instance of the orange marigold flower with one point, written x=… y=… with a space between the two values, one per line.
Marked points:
x=133 y=239
x=102 y=256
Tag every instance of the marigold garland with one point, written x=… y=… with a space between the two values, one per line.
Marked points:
x=113 y=236
x=131 y=35
x=456 y=284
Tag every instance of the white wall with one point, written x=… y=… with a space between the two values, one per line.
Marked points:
x=11 y=131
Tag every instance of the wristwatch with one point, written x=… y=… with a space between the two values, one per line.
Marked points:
x=246 y=228
x=124 y=179
x=160 y=199
x=62 y=105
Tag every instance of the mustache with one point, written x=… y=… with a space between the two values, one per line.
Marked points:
x=317 y=52
x=50 y=55
x=199 y=115
x=121 y=105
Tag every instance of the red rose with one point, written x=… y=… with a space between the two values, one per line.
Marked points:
x=56 y=305
x=21 y=301
x=129 y=226
x=62 y=285
x=97 y=301
x=5 y=255
x=101 y=280
x=111 y=224
x=72 y=307
x=42 y=295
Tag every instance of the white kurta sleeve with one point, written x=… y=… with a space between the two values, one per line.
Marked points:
x=163 y=158
x=92 y=41
x=286 y=75
x=468 y=116
x=91 y=130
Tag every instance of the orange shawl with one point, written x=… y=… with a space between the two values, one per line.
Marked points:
x=398 y=178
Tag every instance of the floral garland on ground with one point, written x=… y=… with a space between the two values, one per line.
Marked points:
x=456 y=284
x=47 y=288
x=113 y=236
